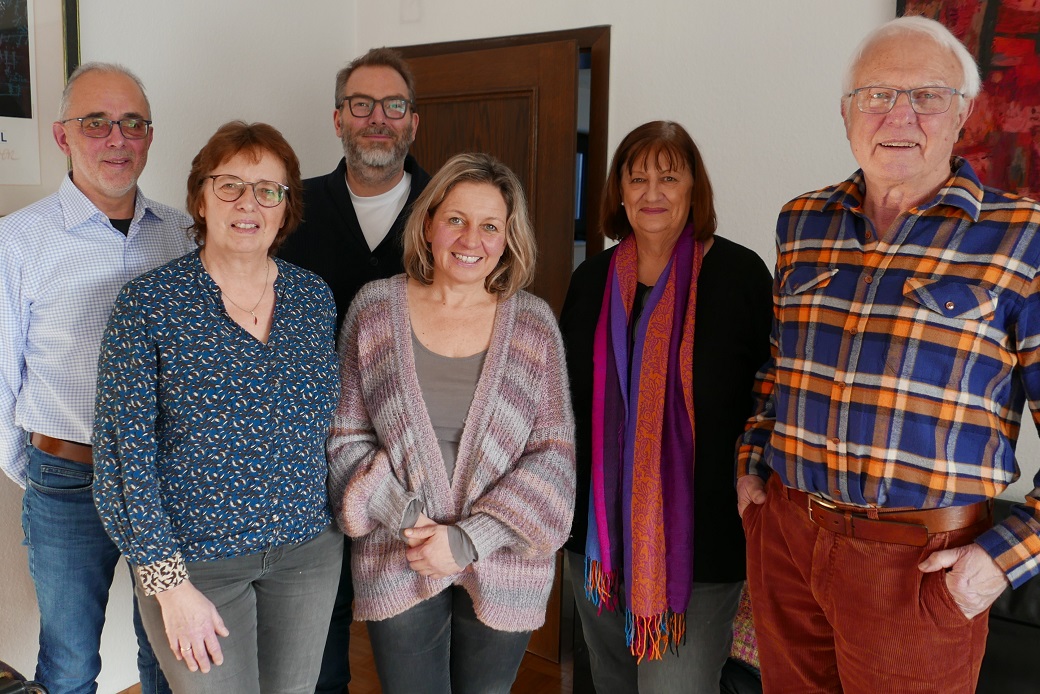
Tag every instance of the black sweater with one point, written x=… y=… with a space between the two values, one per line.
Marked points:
x=731 y=342
x=331 y=244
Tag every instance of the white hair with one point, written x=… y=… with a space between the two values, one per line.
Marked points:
x=971 y=84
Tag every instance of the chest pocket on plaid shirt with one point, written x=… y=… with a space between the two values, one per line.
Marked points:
x=945 y=310
x=801 y=296
x=952 y=299
x=801 y=279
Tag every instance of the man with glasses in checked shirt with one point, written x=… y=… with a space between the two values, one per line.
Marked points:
x=62 y=262
x=351 y=234
x=906 y=341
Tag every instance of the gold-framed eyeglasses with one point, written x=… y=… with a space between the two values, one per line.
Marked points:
x=926 y=101
x=95 y=126
x=230 y=188
x=361 y=105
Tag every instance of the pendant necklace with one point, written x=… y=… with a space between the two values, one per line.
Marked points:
x=267 y=273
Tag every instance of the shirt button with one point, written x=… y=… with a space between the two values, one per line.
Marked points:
x=868 y=236
x=853 y=331
x=373 y=261
x=949 y=306
x=835 y=441
x=868 y=279
x=841 y=386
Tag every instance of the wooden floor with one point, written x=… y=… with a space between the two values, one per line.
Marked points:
x=536 y=676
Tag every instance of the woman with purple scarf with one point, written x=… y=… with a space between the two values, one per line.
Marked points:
x=664 y=333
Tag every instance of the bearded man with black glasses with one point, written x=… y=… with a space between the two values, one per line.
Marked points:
x=351 y=234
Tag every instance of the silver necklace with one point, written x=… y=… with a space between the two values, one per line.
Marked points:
x=267 y=273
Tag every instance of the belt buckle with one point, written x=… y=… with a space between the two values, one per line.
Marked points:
x=840 y=520
x=815 y=498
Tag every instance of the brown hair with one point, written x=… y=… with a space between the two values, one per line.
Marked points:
x=232 y=139
x=657 y=140
x=377 y=57
x=515 y=269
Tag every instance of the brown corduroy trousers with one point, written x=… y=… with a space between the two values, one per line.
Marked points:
x=843 y=615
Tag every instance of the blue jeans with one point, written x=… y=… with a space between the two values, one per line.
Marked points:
x=276 y=605
x=440 y=647
x=72 y=561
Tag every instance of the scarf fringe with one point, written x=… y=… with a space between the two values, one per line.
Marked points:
x=651 y=636
x=599 y=585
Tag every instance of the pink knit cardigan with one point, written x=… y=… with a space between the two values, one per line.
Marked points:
x=513 y=486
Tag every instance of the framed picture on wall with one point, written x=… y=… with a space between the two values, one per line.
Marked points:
x=39 y=48
x=1001 y=139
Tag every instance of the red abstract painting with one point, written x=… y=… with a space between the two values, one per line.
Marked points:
x=1002 y=137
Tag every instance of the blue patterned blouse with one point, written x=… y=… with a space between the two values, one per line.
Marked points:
x=209 y=444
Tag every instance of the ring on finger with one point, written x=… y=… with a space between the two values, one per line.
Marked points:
x=186 y=649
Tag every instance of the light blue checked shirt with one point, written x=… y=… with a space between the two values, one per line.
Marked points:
x=61 y=266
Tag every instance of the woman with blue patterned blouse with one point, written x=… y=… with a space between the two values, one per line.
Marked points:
x=216 y=387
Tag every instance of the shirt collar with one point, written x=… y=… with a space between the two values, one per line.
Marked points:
x=963 y=191
x=77 y=208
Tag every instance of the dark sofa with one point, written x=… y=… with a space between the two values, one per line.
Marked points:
x=1010 y=665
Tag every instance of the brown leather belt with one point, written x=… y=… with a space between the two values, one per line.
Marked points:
x=69 y=450
x=902 y=527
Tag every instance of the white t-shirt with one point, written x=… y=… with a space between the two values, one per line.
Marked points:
x=377 y=213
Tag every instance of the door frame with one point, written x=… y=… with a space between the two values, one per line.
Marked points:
x=594 y=40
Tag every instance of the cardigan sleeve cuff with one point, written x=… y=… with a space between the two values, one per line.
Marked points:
x=389 y=504
x=162 y=575
x=486 y=533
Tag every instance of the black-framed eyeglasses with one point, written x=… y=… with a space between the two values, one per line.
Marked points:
x=924 y=100
x=230 y=188
x=361 y=105
x=94 y=126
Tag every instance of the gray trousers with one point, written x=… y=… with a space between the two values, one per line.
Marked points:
x=697 y=668
x=276 y=605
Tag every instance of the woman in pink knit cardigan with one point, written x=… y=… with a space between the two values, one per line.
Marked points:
x=452 y=451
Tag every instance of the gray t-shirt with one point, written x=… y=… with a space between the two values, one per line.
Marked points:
x=447 y=384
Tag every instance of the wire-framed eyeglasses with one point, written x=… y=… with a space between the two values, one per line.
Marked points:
x=924 y=100
x=230 y=188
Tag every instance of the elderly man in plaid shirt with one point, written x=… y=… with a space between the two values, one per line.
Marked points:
x=906 y=340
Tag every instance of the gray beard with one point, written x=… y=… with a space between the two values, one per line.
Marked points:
x=376 y=164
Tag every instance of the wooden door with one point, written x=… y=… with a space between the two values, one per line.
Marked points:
x=518 y=103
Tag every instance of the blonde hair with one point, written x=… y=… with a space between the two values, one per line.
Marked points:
x=516 y=267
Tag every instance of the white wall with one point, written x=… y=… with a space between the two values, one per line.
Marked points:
x=205 y=63
x=757 y=83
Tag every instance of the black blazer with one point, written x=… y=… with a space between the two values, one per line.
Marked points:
x=331 y=244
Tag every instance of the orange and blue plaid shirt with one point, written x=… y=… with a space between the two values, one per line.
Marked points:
x=899 y=370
